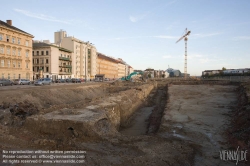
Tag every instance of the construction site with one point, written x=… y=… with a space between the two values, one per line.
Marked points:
x=158 y=122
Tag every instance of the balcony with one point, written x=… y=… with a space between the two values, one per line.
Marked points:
x=64 y=58
x=65 y=73
x=66 y=66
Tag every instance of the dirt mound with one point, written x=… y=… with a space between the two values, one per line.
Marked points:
x=23 y=109
x=239 y=131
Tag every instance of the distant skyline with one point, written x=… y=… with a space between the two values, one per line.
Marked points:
x=144 y=32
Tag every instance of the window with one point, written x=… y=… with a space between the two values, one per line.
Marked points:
x=2 y=63
x=8 y=63
x=8 y=51
x=19 y=65
x=14 y=64
x=1 y=37
x=32 y=52
x=37 y=61
x=47 y=69
x=19 y=52
x=47 y=61
x=7 y=38
x=13 y=40
x=42 y=52
x=13 y=52
x=27 y=53
x=2 y=75
x=27 y=65
x=1 y=50
x=33 y=68
x=41 y=61
x=37 y=53
x=47 y=52
x=18 y=41
x=37 y=68
x=27 y=43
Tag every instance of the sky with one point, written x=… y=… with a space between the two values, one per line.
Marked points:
x=144 y=32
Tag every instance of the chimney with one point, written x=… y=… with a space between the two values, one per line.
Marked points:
x=9 y=22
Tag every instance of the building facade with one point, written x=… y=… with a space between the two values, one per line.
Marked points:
x=84 y=55
x=54 y=62
x=121 y=69
x=131 y=70
x=107 y=66
x=15 y=52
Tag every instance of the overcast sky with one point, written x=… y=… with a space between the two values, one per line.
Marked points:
x=144 y=32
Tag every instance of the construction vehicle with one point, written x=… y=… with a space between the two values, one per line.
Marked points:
x=134 y=74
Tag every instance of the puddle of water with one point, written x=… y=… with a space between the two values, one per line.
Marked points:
x=139 y=123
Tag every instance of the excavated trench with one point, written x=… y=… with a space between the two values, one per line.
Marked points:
x=147 y=119
x=127 y=109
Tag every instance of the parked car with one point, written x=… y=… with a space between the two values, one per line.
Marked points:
x=106 y=79
x=43 y=81
x=76 y=80
x=21 y=82
x=4 y=82
x=68 y=80
x=82 y=80
x=98 y=80
x=60 y=81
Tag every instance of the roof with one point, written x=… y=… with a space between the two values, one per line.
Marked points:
x=4 y=24
x=211 y=70
x=101 y=56
x=39 y=45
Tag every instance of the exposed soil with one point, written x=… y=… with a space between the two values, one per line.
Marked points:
x=123 y=123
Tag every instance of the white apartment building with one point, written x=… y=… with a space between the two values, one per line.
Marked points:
x=55 y=62
x=84 y=55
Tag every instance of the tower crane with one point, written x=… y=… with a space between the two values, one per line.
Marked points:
x=185 y=39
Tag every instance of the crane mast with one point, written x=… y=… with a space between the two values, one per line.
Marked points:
x=185 y=39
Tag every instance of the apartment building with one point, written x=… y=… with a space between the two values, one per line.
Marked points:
x=121 y=69
x=15 y=52
x=84 y=55
x=131 y=70
x=107 y=65
x=54 y=62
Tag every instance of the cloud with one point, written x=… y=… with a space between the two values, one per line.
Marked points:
x=206 y=35
x=137 y=18
x=242 y=38
x=40 y=16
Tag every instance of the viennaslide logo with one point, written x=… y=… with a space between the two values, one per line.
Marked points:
x=233 y=155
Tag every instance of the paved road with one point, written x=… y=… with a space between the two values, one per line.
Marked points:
x=52 y=85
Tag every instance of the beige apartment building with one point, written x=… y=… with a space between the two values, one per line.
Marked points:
x=54 y=62
x=122 y=68
x=107 y=65
x=15 y=52
x=131 y=70
x=84 y=55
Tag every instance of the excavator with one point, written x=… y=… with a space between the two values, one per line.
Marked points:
x=129 y=77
